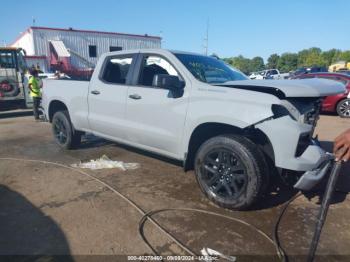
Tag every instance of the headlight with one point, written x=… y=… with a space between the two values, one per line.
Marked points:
x=285 y=109
x=303 y=110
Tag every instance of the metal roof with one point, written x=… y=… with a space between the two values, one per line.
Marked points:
x=91 y=31
x=8 y=48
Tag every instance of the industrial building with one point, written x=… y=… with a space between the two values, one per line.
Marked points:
x=72 y=50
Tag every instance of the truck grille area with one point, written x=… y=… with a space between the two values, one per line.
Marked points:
x=311 y=117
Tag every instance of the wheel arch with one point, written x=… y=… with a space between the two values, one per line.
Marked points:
x=205 y=131
x=55 y=106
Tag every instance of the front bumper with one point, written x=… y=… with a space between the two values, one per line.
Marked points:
x=311 y=178
x=285 y=135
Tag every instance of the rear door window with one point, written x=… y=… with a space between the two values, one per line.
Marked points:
x=117 y=69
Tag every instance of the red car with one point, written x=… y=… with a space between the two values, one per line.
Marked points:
x=339 y=104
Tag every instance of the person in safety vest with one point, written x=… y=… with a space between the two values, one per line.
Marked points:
x=35 y=85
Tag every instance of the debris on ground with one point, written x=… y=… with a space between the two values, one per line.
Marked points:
x=105 y=162
x=212 y=255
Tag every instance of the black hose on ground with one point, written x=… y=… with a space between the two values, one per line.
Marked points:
x=276 y=238
x=148 y=216
x=275 y=241
x=321 y=218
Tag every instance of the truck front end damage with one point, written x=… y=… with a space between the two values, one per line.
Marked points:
x=291 y=127
x=291 y=133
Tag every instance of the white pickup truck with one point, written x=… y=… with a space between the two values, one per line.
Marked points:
x=232 y=131
x=268 y=74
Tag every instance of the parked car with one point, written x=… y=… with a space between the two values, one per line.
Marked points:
x=266 y=74
x=308 y=70
x=339 y=103
x=346 y=72
x=232 y=131
x=339 y=65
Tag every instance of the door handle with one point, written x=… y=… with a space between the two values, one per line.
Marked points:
x=135 y=96
x=95 y=92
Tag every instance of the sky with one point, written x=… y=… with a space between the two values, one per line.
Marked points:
x=248 y=28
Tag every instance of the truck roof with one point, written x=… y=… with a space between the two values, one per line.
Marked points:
x=9 y=48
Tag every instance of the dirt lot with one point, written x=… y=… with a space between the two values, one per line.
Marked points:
x=46 y=209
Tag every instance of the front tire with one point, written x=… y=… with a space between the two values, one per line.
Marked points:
x=65 y=135
x=343 y=108
x=231 y=171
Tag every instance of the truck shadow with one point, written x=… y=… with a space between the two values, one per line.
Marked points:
x=278 y=193
x=28 y=233
x=17 y=113
x=91 y=141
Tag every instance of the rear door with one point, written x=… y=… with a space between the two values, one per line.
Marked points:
x=155 y=117
x=107 y=95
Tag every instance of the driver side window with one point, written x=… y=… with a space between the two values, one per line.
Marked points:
x=154 y=65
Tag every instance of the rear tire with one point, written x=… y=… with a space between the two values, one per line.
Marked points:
x=231 y=171
x=343 y=108
x=62 y=129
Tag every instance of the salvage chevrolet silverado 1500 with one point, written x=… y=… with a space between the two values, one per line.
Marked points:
x=232 y=131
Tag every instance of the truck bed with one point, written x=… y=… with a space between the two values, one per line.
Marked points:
x=73 y=94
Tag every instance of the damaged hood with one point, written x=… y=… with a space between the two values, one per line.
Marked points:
x=315 y=87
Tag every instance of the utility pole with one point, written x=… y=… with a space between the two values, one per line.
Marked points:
x=206 y=39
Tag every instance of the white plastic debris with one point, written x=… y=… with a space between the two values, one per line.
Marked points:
x=212 y=255
x=105 y=162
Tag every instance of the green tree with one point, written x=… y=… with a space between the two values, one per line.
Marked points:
x=314 y=59
x=257 y=64
x=345 y=56
x=241 y=63
x=330 y=55
x=337 y=56
x=272 y=61
x=308 y=54
x=288 y=62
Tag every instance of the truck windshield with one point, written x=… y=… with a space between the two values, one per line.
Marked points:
x=209 y=69
x=22 y=65
x=7 y=59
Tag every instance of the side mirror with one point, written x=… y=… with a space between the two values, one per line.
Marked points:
x=169 y=82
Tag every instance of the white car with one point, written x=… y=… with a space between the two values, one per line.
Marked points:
x=266 y=74
x=232 y=131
